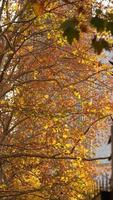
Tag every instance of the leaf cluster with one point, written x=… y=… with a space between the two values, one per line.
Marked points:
x=70 y=30
x=101 y=22
x=100 y=44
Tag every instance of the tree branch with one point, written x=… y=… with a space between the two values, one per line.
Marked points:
x=51 y=157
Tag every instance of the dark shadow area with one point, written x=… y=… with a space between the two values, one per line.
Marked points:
x=105 y=195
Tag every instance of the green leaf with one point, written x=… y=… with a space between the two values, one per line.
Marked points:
x=109 y=27
x=70 y=30
x=99 y=45
x=97 y=48
x=98 y=12
x=98 y=23
x=72 y=22
x=105 y=44
x=110 y=16
x=71 y=33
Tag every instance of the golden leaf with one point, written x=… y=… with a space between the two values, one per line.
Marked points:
x=21 y=101
x=46 y=96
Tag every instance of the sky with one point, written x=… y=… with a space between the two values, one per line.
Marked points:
x=105 y=2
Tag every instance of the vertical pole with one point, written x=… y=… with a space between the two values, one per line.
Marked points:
x=102 y=182
x=112 y=162
x=107 y=183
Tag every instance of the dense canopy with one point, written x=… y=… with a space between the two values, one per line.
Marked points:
x=54 y=95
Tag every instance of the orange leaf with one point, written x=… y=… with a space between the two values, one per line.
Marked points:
x=38 y=8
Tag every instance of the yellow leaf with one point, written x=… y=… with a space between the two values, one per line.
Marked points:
x=46 y=126
x=17 y=90
x=21 y=101
x=55 y=119
x=90 y=103
x=72 y=86
x=68 y=145
x=46 y=96
x=77 y=95
x=48 y=35
x=35 y=75
x=65 y=136
x=2 y=101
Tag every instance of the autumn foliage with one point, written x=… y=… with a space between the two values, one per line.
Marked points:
x=53 y=98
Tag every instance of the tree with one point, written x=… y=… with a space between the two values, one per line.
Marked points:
x=49 y=93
